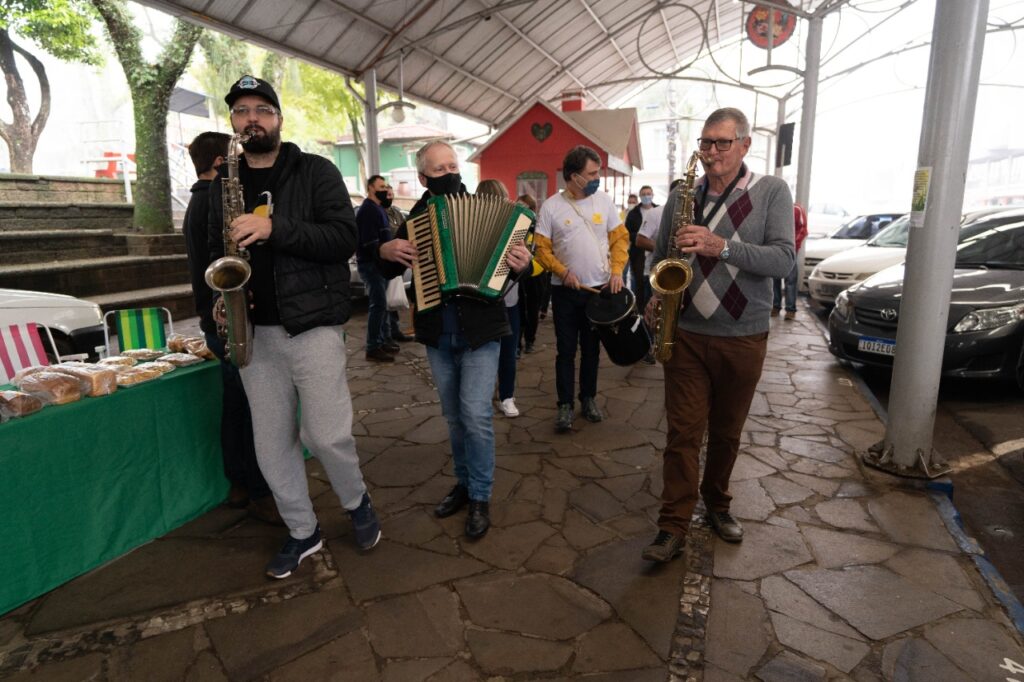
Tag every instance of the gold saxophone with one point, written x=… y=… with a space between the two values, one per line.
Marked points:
x=671 y=276
x=229 y=274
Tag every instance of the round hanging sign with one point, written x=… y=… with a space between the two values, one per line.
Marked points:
x=757 y=26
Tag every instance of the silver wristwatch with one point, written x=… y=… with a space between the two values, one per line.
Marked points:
x=724 y=255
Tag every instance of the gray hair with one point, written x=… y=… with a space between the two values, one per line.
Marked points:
x=730 y=114
x=421 y=154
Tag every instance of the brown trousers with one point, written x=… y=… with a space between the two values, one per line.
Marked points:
x=709 y=384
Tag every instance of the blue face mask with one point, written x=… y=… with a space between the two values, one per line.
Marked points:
x=591 y=187
x=646 y=200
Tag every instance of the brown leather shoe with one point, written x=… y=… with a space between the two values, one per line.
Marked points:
x=265 y=509
x=379 y=355
x=390 y=347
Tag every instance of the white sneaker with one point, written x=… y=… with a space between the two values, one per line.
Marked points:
x=508 y=407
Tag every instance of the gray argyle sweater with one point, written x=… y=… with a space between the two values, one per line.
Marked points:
x=734 y=297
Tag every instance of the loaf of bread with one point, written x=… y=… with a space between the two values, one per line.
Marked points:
x=176 y=342
x=53 y=387
x=181 y=359
x=130 y=376
x=159 y=365
x=142 y=354
x=102 y=378
x=18 y=404
x=27 y=371
x=197 y=346
x=118 y=361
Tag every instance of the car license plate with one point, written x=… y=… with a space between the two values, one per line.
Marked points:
x=831 y=289
x=870 y=344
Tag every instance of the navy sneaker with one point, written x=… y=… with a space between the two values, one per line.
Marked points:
x=366 y=524
x=292 y=554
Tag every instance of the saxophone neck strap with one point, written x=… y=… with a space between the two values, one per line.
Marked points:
x=705 y=221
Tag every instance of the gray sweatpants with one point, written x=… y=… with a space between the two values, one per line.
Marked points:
x=284 y=371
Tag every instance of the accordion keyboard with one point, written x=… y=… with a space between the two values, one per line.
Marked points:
x=425 y=273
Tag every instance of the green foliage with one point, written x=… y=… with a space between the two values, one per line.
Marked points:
x=61 y=27
x=225 y=60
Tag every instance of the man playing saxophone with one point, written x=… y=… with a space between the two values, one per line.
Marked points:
x=300 y=299
x=741 y=237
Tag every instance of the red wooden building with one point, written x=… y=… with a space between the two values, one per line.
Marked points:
x=526 y=155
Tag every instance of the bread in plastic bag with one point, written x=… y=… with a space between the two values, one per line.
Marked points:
x=142 y=354
x=102 y=378
x=163 y=367
x=54 y=388
x=118 y=361
x=181 y=359
x=197 y=346
x=18 y=404
x=130 y=376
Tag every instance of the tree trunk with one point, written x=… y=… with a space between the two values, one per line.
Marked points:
x=153 y=185
x=151 y=86
x=22 y=134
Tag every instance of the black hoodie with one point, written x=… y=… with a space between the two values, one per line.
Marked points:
x=313 y=237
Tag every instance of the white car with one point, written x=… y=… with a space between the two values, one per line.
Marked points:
x=851 y=234
x=76 y=325
x=844 y=269
x=823 y=218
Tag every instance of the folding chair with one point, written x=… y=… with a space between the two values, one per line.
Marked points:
x=21 y=346
x=138 y=328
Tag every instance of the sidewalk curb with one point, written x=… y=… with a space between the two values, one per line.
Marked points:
x=941 y=492
x=954 y=524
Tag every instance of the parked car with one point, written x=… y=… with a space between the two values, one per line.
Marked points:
x=76 y=325
x=823 y=218
x=985 y=331
x=851 y=234
x=846 y=268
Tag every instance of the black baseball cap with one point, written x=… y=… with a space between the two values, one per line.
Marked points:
x=250 y=85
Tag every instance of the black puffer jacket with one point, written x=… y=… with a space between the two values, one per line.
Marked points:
x=313 y=237
x=480 y=321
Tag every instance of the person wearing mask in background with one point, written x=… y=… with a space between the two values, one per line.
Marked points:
x=299 y=256
x=531 y=288
x=800 y=233
x=374 y=229
x=581 y=240
x=248 y=487
x=395 y=220
x=462 y=336
x=509 y=344
x=650 y=220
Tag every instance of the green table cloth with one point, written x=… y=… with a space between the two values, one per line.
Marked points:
x=83 y=483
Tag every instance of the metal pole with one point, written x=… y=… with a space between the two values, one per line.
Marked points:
x=809 y=111
x=950 y=101
x=370 y=106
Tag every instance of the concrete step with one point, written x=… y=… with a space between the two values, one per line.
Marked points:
x=18 y=187
x=40 y=215
x=95 y=276
x=178 y=299
x=42 y=246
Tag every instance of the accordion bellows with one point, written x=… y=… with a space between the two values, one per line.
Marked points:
x=462 y=242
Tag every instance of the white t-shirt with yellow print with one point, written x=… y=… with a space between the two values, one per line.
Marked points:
x=578 y=230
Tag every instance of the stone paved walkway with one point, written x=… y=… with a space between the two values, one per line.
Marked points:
x=844 y=573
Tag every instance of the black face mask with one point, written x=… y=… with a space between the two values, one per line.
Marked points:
x=449 y=183
x=382 y=197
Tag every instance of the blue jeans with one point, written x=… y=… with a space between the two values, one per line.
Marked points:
x=572 y=331
x=378 y=325
x=507 y=356
x=465 y=384
x=790 y=291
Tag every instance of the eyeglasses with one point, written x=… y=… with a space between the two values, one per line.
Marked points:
x=722 y=145
x=263 y=110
